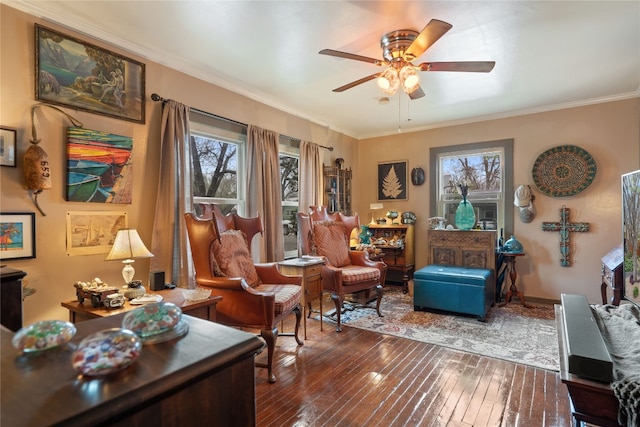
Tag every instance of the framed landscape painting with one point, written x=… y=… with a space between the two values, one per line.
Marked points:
x=17 y=235
x=392 y=181
x=79 y=75
x=93 y=232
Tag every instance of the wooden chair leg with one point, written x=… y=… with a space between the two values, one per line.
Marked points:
x=298 y=312
x=270 y=336
x=337 y=300
x=379 y=291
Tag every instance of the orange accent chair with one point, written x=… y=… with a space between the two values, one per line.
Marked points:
x=254 y=296
x=345 y=271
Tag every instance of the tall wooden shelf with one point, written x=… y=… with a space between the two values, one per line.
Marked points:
x=337 y=189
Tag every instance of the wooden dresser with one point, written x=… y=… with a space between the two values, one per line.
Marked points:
x=463 y=248
x=400 y=259
x=11 y=298
x=204 y=378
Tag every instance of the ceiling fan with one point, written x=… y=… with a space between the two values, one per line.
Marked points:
x=399 y=49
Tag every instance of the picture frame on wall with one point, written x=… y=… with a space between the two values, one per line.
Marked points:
x=77 y=74
x=392 y=181
x=17 y=235
x=8 y=137
x=93 y=232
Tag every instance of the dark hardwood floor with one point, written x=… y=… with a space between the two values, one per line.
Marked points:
x=361 y=378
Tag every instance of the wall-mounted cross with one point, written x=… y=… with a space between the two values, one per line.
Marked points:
x=565 y=227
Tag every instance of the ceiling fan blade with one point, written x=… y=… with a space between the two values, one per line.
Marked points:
x=427 y=37
x=353 y=56
x=418 y=93
x=468 y=66
x=356 y=83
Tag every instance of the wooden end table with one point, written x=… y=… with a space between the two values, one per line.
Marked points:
x=311 y=271
x=204 y=309
x=510 y=263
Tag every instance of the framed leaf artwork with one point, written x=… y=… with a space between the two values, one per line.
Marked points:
x=392 y=181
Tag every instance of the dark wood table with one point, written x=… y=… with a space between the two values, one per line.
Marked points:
x=204 y=378
x=204 y=309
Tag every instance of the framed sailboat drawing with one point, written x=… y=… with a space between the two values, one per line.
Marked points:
x=93 y=232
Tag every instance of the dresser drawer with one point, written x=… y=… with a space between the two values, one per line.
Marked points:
x=314 y=270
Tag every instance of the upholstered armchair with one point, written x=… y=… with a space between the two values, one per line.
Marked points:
x=345 y=271
x=254 y=296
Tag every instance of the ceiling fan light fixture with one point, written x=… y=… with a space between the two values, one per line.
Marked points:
x=409 y=79
x=388 y=81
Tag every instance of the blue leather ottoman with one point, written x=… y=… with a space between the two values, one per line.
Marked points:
x=456 y=289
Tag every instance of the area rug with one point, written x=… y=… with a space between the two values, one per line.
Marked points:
x=513 y=332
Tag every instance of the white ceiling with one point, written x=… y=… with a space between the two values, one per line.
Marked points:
x=548 y=54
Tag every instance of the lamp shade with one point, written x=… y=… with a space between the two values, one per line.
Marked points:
x=409 y=79
x=388 y=81
x=375 y=206
x=128 y=245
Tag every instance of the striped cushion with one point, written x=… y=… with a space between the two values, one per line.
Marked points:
x=331 y=242
x=357 y=274
x=287 y=296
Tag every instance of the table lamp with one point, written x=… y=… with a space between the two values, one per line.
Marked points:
x=128 y=247
x=374 y=207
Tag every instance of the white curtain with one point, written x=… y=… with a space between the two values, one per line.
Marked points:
x=264 y=192
x=169 y=242
x=310 y=178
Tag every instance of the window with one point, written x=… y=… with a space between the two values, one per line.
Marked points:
x=487 y=169
x=289 y=172
x=217 y=161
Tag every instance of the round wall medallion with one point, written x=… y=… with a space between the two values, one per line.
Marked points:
x=417 y=176
x=564 y=171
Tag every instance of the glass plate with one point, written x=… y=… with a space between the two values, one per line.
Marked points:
x=43 y=335
x=152 y=319
x=179 y=330
x=106 y=351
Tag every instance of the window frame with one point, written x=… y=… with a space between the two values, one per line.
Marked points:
x=208 y=131
x=504 y=145
x=287 y=148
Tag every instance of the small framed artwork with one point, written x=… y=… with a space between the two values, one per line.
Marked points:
x=392 y=180
x=8 y=146
x=17 y=235
x=80 y=75
x=93 y=232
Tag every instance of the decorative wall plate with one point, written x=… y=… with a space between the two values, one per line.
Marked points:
x=564 y=171
x=43 y=335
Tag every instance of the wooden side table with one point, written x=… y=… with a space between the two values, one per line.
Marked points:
x=510 y=263
x=311 y=271
x=204 y=309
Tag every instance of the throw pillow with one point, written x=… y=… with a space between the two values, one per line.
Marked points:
x=331 y=242
x=233 y=257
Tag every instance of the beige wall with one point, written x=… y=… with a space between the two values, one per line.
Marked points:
x=53 y=273
x=609 y=132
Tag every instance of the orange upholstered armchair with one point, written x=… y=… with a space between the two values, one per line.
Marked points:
x=255 y=296
x=345 y=271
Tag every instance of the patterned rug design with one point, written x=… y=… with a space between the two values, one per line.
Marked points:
x=512 y=332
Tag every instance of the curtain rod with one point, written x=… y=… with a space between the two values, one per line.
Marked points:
x=158 y=98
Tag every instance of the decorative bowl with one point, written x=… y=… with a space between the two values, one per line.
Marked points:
x=106 y=351
x=152 y=319
x=43 y=335
x=196 y=294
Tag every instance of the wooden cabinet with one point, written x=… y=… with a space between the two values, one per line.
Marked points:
x=612 y=275
x=205 y=378
x=11 y=298
x=399 y=258
x=463 y=248
x=337 y=189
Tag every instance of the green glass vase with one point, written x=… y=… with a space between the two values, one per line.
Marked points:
x=365 y=235
x=465 y=215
